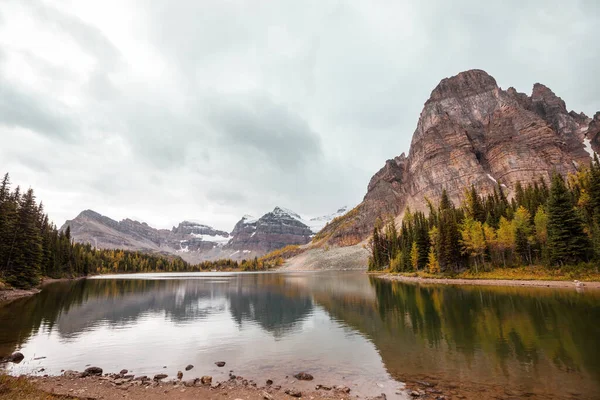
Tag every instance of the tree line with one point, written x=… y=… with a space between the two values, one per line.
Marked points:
x=31 y=247
x=540 y=225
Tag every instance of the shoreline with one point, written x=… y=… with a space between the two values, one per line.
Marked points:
x=595 y=285
x=8 y=295
x=73 y=384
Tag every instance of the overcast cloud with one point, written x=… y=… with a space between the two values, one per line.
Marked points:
x=208 y=110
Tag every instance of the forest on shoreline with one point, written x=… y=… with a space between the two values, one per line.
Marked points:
x=555 y=228
x=31 y=247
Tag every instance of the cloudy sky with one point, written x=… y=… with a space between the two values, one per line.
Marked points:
x=208 y=110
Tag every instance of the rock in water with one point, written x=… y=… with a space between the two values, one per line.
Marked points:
x=179 y=375
x=303 y=376
x=190 y=366
x=92 y=371
x=158 y=377
x=123 y=372
x=16 y=357
x=220 y=363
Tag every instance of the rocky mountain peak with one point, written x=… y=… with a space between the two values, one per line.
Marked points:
x=90 y=214
x=544 y=98
x=284 y=212
x=471 y=132
x=467 y=83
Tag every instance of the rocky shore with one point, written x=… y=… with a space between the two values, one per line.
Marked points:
x=93 y=384
x=490 y=282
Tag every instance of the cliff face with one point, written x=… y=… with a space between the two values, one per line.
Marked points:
x=471 y=132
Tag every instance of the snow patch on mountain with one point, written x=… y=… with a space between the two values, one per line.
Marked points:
x=588 y=147
x=218 y=239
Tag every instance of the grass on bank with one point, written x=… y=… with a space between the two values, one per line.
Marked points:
x=582 y=272
x=21 y=388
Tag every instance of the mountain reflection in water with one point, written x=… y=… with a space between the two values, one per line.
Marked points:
x=507 y=341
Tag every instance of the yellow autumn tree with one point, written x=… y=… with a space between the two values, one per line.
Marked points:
x=473 y=240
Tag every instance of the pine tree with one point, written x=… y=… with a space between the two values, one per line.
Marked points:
x=23 y=264
x=567 y=242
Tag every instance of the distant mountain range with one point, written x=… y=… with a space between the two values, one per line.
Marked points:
x=196 y=242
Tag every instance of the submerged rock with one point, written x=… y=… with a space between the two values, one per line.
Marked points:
x=220 y=363
x=15 y=357
x=190 y=366
x=123 y=372
x=303 y=376
x=158 y=377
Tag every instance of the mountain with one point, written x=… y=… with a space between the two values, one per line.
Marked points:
x=472 y=132
x=104 y=232
x=196 y=242
x=274 y=230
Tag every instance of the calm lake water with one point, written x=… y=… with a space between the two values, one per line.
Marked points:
x=344 y=328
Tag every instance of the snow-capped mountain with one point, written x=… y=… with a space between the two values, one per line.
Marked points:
x=195 y=241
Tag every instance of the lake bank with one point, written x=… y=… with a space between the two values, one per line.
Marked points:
x=116 y=386
x=9 y=294
x=488 y=282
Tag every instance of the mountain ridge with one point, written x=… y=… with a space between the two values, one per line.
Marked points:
x=194 y=241
x=472 y=132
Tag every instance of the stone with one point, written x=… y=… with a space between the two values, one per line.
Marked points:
x=269 y=382
x=16 y=357
x=93 y=371
x=206 y=380
x=71 y=374
x=323 y=387
x=159 y=377
x=189 y=367
x=414 y=393
x=123 y=372
x=220 y=363
x=179 y=375
x=382 y=396
x=267 y=396
x=190 y=382
x=342 y=389
x=293 y=392
x=303 y=376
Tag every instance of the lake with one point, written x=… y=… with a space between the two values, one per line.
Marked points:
x=342 y=327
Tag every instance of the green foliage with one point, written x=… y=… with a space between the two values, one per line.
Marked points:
x=567 y=242
x=554 y=226
x=31 y=247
